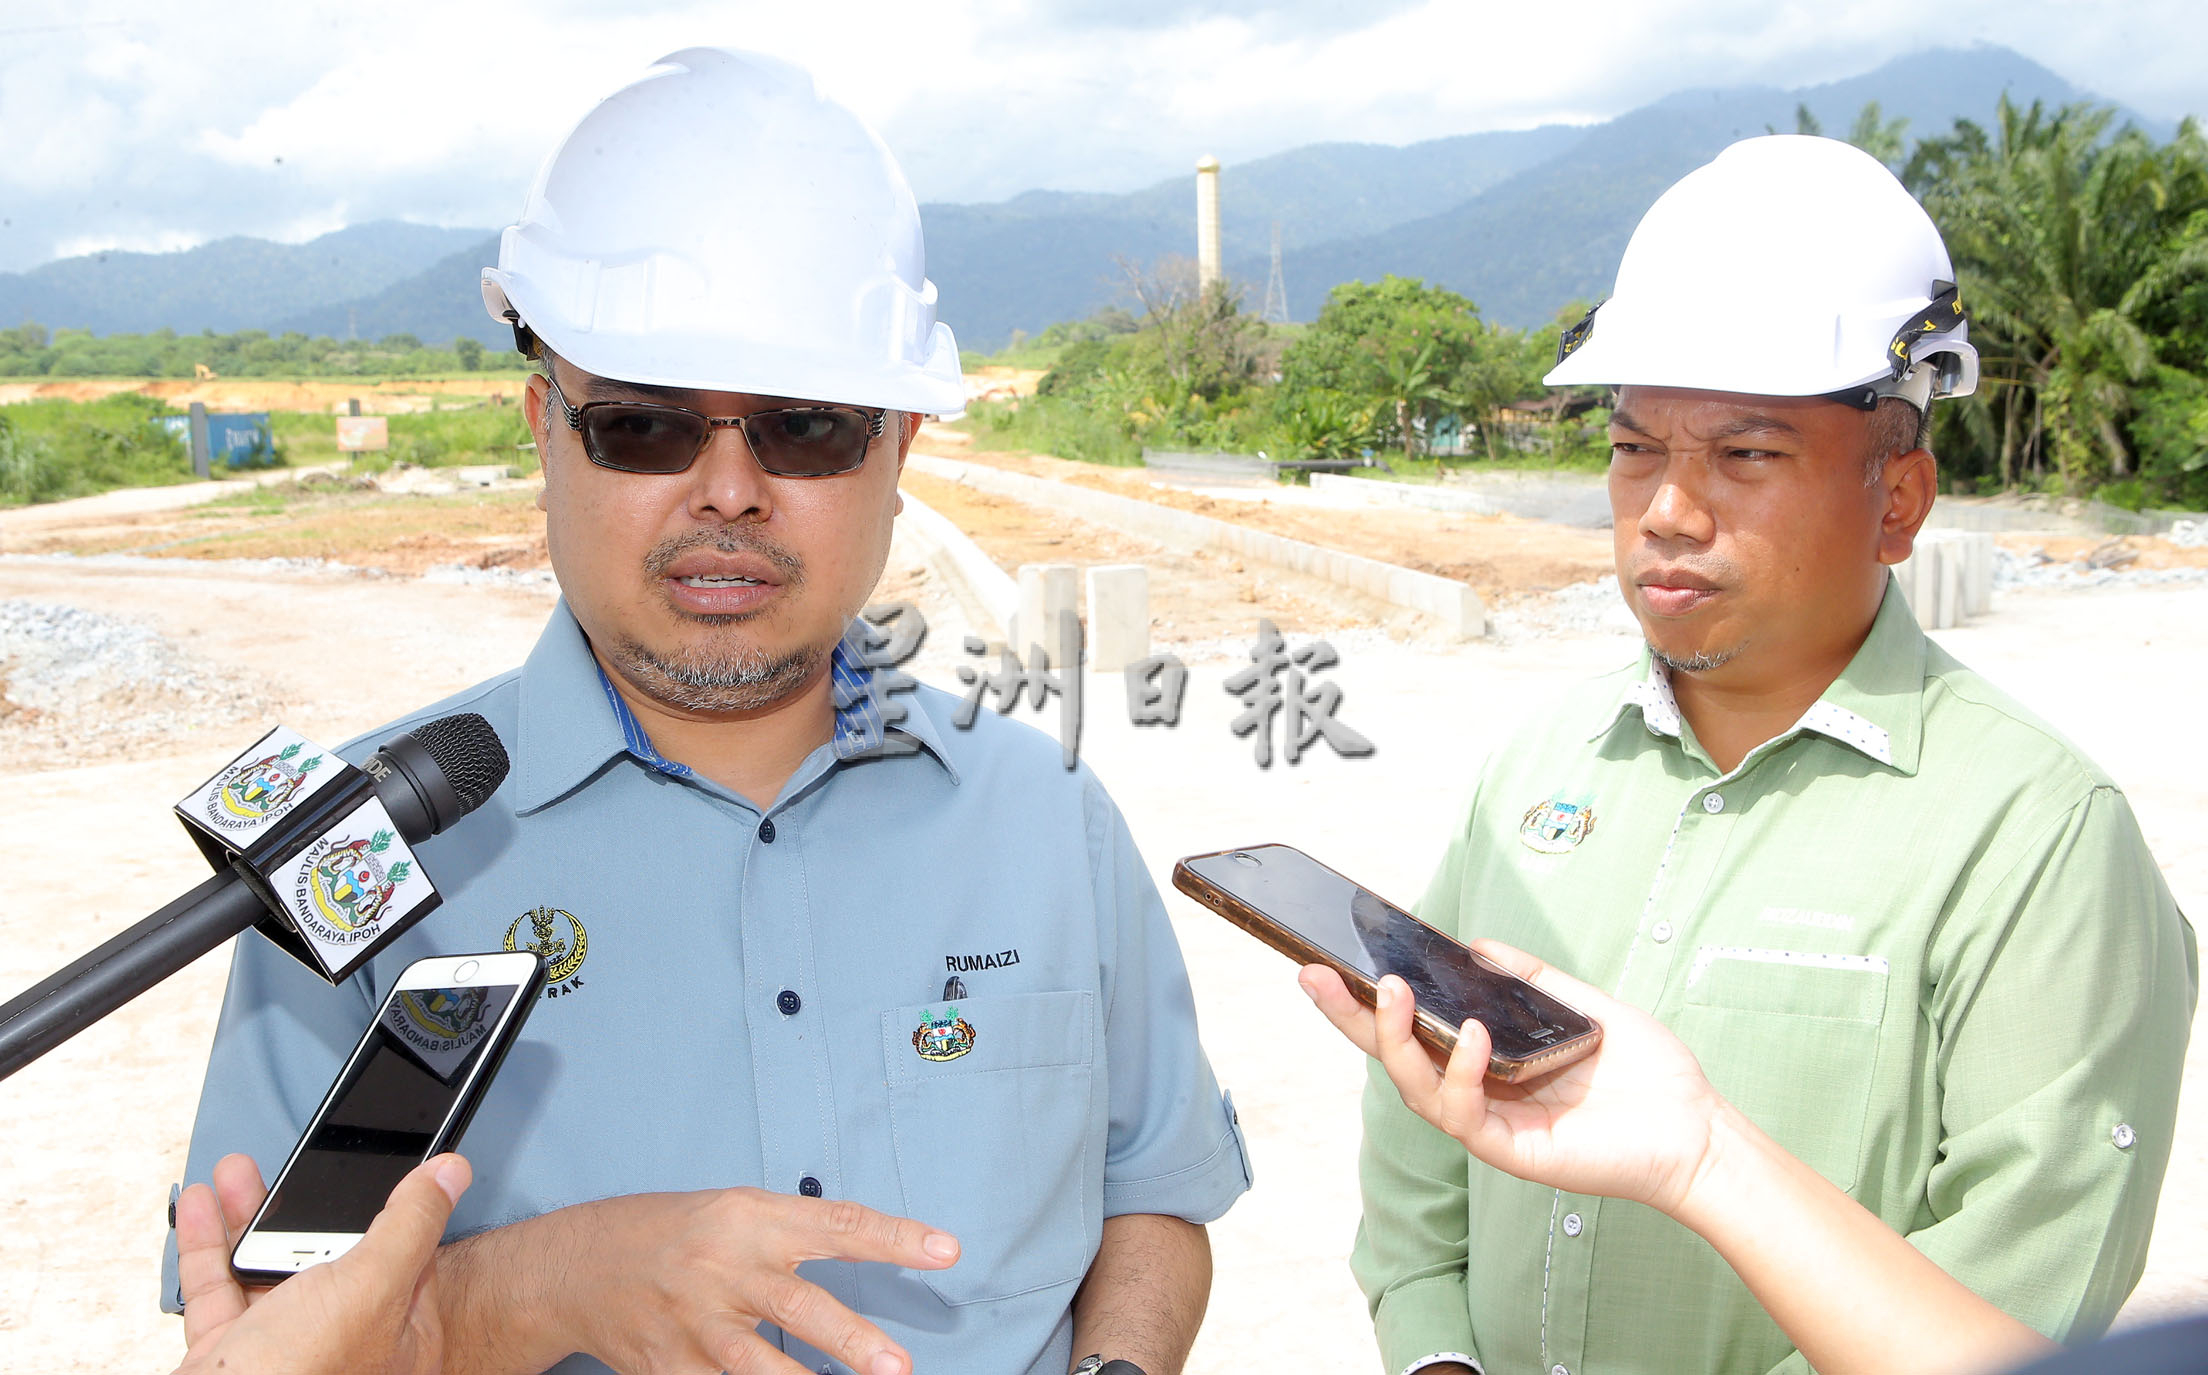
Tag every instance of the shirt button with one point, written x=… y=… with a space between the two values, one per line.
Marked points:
x=809 y=1186
x=1713 y=803
x=788 y=1001
x=1572 y=1224
x=1560 y=1369
x=1661 y=932
x=2123 y=1136
x=766 y=830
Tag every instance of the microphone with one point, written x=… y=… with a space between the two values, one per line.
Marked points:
x=313 y=865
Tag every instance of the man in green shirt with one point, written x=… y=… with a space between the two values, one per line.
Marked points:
x=1909 y=932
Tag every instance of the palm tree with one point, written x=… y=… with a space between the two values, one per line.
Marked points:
x=2065 y=238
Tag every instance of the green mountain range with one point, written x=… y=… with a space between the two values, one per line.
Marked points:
x=1522 y=222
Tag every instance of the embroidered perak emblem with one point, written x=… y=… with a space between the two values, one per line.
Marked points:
x=944 y=1036
x=559 y=939
x=1556 y=826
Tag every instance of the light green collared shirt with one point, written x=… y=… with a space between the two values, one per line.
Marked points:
x=1917 y=938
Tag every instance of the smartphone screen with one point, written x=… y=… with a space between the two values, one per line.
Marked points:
x=1373 y=936
x=385 y=1111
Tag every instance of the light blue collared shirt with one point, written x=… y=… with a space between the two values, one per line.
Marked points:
x=739 y=992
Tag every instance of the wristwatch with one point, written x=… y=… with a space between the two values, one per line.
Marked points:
x=1097 y=1365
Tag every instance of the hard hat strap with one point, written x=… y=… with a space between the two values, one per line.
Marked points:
x=1944 y=316
x=1572 y=338
x=525 y=338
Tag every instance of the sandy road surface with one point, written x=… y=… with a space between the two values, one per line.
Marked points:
x=94 y=1133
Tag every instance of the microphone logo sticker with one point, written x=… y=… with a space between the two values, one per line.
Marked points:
x=350 y=885
x=353 y=884
x=259 y=788
x=254 y=790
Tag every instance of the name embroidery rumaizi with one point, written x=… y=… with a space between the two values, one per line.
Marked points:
x=967 y=964
x=1556 y=826
x=562 y=954
x=943 y=1037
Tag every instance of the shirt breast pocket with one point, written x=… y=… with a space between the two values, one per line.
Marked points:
x=1791 y=1039
x=989 y=1111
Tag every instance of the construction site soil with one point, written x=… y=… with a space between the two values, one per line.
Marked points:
x=331 y=519
x=1498 y=556
x=376 y=395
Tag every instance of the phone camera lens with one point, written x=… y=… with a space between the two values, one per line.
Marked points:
x=1246 y=859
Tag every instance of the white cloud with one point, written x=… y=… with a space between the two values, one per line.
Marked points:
x=150 y=124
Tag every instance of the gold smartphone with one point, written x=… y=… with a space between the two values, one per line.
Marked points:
x=1314 y=915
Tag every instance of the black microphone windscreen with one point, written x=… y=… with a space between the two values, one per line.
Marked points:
x=468 y=753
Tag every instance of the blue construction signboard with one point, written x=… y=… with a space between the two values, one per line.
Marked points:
x=245 y=440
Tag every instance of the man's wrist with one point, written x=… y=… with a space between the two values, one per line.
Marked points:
x=508 y=1310
x=1104 y=1365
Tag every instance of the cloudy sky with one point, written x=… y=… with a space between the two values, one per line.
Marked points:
x=149 y=124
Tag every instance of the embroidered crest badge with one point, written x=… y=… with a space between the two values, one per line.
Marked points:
x=1556 y=826
x=563 y=955
x=944 y=1037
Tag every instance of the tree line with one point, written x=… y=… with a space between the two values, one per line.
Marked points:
x=2081 y=251
x=31 y=350
x=1397 y=372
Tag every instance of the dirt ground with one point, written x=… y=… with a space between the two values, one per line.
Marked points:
x=1499 y=556
x=2130 y=551
x=1198 y=597
x=376 y=395
x=1202 y=596
x=337 y=520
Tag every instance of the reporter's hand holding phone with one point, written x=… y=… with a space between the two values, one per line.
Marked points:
x=1632 y=1120
x=1638 y=1120
x=373 y=1309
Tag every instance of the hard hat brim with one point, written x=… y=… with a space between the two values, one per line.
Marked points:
x=1627 y=348
x=699 y=362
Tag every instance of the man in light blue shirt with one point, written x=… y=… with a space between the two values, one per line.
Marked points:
x=829 y=979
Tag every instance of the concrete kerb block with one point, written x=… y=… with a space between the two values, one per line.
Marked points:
x=1950 y=601
x=1046 y=589
x=1948 y=577
x=1119 y=615
x=1920 y=582
x=1978 y=573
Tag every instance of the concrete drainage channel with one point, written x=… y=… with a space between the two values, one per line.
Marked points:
x=1455 y=606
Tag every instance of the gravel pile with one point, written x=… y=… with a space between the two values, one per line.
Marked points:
x=76 y=686
x=467 y=575
x=272 y=568
x=1583 y=608
x=2035 y=569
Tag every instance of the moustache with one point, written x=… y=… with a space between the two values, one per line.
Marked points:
x=728 y=539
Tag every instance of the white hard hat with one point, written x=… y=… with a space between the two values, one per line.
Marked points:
x=720 y=224
x=1787 y=266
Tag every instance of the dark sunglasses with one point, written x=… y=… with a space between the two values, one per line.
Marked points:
x=642 y=437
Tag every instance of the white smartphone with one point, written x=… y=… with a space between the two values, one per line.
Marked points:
x=405 y=1095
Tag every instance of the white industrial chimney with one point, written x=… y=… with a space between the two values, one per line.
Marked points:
x=1207 y=221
